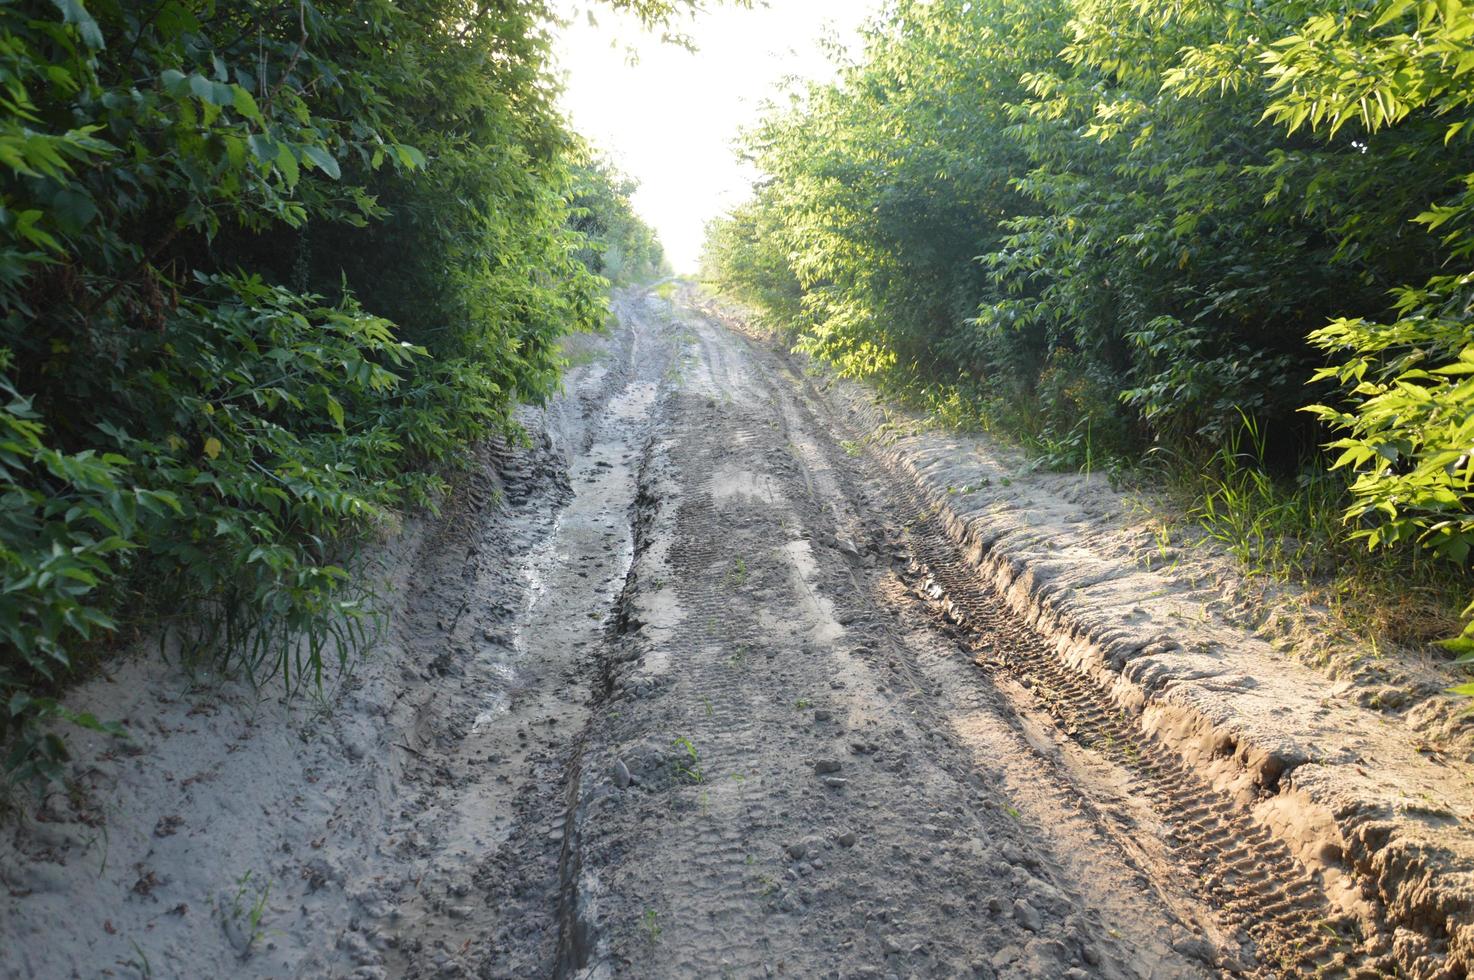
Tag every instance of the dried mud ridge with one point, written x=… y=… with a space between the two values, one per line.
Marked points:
x=1249 y=876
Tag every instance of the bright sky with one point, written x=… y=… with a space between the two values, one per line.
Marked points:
x=669 y=119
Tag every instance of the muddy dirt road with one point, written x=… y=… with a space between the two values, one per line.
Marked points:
x=691 y=686
x=757 y=748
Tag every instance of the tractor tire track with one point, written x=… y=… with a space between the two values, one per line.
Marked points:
x=1250 y=879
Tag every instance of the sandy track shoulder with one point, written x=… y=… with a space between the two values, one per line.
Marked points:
x=1375 y=813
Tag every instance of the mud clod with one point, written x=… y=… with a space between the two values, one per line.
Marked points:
x=622 y=777
x=1027 y=916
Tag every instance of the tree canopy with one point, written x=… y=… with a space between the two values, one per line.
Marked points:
x=1110 y=226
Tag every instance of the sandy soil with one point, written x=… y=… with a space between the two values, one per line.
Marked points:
x=691 y=686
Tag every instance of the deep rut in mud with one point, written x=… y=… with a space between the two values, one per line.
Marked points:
x=1267 y=912
x=487 y=890
x=768 y=747
x=1280 y=917
x=1249 y=877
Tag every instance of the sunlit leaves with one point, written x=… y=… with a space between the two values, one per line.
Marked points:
x=1164 y=200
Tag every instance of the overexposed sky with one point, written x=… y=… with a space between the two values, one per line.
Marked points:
x=669 y=119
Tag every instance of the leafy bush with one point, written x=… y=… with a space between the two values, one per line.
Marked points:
x=618 y=246
x=1111 y=227
x=267 y=270
x=1409 y=424
x=64 y=522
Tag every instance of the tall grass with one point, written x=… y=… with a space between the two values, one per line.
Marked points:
x=1291 y=530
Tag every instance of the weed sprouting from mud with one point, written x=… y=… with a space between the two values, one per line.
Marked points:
x=689 y=768
x=142 y=965
x=651 y=924
x=252 y=913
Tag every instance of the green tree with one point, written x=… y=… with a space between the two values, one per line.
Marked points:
x=1116 y=226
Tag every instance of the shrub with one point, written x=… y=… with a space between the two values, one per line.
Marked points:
x=267 y=270
x=1113 y=225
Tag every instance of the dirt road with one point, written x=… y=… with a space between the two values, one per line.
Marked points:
x=766 y=754
x=691 y=686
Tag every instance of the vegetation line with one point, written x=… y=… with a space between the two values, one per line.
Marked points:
x=1227 y=246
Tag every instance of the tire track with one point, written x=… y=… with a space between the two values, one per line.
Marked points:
x=768 y=789
x=1243 y=872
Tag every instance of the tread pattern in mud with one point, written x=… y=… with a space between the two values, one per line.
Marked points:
x=1234 y=863
x=702 y=559
x=762 y=862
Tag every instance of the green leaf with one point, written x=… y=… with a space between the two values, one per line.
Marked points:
x=323 y=159
x=1462 y=645
x=202 y=88
x=175 y=82
x=74 y=13
x=410 y=157
x=263 y=147
x=245 y=104
x=25 y=226
x=286 y=162
x=1393 y=10
x=73 y=209
x=19 y=702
